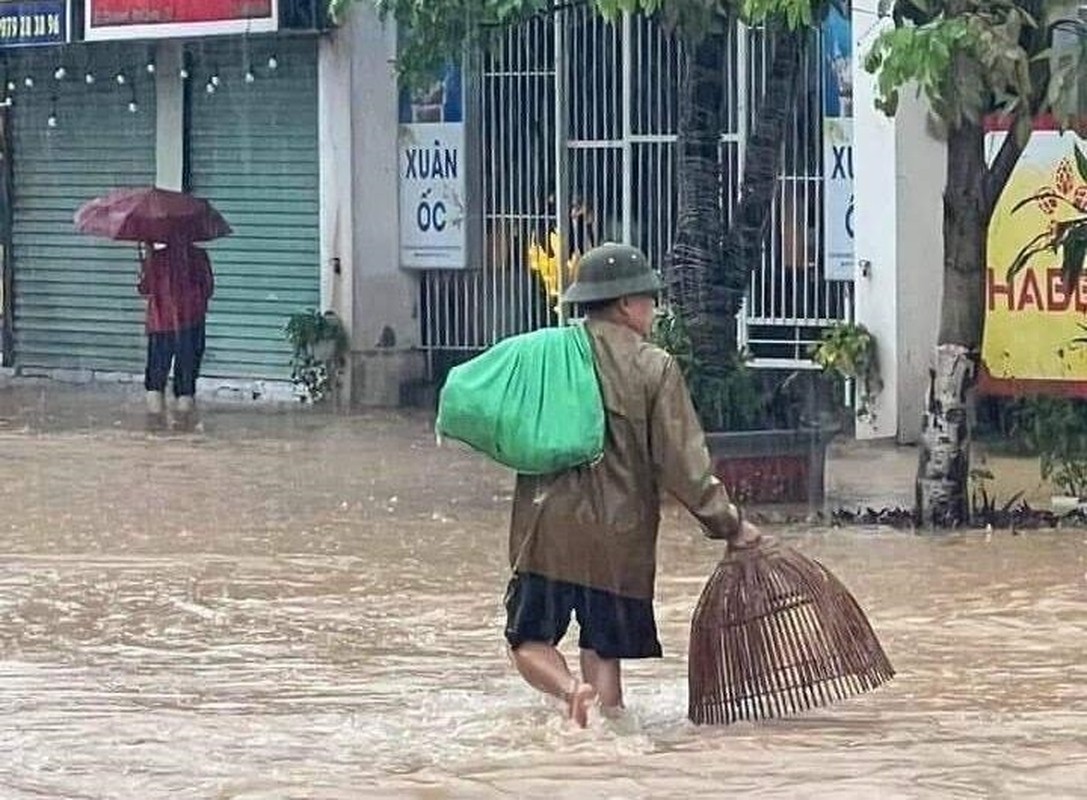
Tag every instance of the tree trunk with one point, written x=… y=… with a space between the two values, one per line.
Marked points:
x=762 y=162
x=710 y=268
x=694 y=262
x=944 y=460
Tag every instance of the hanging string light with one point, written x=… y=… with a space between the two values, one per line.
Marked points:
x=51 y=121
x=249 y=76
x=213 y=80
x=273 y=62
x=60 y=73
x=9 y=84
x=150 y=61
x=121 y=79
x=28 y=82
x=133 y=106
x=88 y=71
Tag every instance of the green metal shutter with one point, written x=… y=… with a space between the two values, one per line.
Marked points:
x=253 y=153
x=76 y=305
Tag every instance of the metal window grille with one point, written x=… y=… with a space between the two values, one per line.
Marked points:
x=585 y=153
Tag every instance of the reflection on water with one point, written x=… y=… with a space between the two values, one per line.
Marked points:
x=282 y=607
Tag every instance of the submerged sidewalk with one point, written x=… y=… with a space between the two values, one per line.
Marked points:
x=859 y=474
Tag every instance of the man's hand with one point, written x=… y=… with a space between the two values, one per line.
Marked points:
x=748 y=536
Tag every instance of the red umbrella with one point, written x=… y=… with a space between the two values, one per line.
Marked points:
x=150 y=214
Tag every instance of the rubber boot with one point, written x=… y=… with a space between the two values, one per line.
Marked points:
x=156 y=403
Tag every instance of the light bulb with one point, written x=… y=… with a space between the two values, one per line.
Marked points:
x=272 y=62
x=150 y=67
x=121 y=78
x=52 y=121
x=60 y=74
x=29 y=82
x=89 y=78
x=215 y=81
x=11 y=86
x=133 y=106
x=210 y=88
x=184 y=74
x=250 y=77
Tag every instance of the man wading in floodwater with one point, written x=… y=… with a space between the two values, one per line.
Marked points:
x=584 y=541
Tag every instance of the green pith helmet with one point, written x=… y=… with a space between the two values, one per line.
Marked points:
x=611 y=271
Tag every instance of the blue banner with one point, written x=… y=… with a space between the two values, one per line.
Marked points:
x=26 y=23
x=838 y=251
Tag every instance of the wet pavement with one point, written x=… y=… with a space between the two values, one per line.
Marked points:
x=285 y=604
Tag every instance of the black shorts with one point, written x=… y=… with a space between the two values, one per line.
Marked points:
x=538 y=610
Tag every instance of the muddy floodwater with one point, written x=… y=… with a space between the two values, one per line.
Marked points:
x=309 y=606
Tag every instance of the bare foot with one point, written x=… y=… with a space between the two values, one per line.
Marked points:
x=578 y=701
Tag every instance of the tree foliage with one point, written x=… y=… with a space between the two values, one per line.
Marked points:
x=975 y=58
x=443 y=30
x=971 y=58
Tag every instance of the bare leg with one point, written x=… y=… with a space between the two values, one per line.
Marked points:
x=606 y=677
x=544 y=668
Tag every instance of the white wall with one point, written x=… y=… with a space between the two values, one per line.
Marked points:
x=169 y=104
x=898 y=196
x=334 y=132
x=360 y=209
x=874 y=215
x=922 y=173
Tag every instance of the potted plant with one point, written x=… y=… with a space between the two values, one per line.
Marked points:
x=1056 y=429
x=847 y=351
x=320 y=344
x=760 y=447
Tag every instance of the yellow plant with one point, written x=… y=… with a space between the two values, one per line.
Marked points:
x=544 y=261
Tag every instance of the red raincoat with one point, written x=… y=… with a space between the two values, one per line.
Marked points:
x=178 y=283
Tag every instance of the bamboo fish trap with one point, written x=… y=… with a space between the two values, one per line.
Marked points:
x=775 y=633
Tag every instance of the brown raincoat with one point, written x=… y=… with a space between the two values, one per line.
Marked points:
x=596 y=525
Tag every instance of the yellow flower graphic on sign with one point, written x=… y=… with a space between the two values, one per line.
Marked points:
x=1065 y=198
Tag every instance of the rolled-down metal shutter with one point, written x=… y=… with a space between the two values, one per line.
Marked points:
x=253 y=153
x=76 y=305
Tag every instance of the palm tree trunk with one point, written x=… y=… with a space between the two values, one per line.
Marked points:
x=695 y=259
x=762 y=164
x=709 y=267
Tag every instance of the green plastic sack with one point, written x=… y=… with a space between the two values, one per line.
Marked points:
x=532 y=402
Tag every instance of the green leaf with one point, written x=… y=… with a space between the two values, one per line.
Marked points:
x=1075 y=251
x=1039 y=244
x=1081 y=162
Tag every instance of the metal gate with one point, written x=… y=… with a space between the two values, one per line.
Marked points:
x=585 y=153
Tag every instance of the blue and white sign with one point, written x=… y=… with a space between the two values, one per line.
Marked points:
x=28 y=23
x=433 y=177
x=838 y=247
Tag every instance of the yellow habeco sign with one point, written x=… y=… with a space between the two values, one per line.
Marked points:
x=1036 y=326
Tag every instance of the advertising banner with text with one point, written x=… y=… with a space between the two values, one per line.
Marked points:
x=1036 y=323
x=838 y=248
x=433 y=176
x=141 y=19
x=28 y=23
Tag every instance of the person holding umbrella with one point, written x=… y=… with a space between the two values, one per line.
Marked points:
x=178 y=282
x=175 y=277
